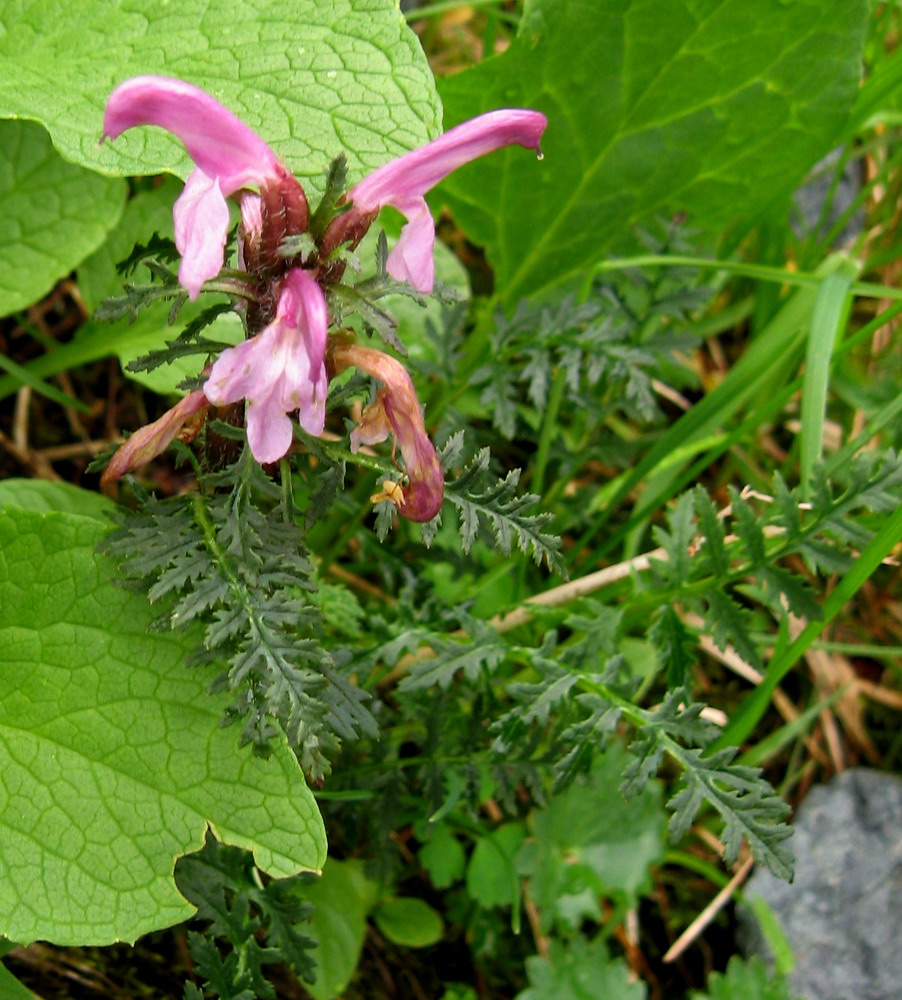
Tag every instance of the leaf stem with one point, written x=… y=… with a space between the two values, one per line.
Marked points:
x=549 y=426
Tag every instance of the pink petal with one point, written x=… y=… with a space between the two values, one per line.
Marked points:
x=411 y=258
x=280 y=371
x=397 y=408
x=403 y=182
x=218 y=142
x=248 y=370
x=201 y=218
x=269 y=432
x=149 y=441
x=415 y=173
x=305 y=385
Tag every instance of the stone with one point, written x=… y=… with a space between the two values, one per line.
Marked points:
x=842 y=914
x=810 y=200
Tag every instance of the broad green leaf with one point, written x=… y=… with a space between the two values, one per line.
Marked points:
x=312 y=77
x=409 y=922
x=146 y=213
x=43 y=497
x=579 y=970
x=54 y=213
x=112 y=760
x=151 y=331
x=712 y=108
x=590 y=842
x=11 y=988
x=443 y=857
x=746 y=981
x=342 y=898
x=491 y=873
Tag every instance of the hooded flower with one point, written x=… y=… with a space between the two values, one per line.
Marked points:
x=396 y=410
x=230 y=159
x=151 y=440
x=279 y=371
x=403 y=182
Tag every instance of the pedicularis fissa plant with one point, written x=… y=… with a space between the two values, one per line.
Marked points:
x=410 y=610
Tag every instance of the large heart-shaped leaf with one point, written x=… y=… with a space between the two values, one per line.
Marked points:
x=313 y=77
x=711 y=108
x=112 y=760
x=54 y=214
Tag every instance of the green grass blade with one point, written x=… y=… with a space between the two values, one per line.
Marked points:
x=771 y=745
x=760 y=272
x=19 y=376
x=755 y=706
x=830 y=313
x=93 y=346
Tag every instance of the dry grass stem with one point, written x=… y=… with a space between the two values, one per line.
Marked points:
x=709 y=912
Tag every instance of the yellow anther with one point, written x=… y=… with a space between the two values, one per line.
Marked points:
x=390 y=491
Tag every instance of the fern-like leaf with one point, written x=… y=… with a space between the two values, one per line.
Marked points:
x=747 y=804
x=505 y=511
x=234 y=562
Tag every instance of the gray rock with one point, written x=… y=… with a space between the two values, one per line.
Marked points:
x=809 y=201
x=842 y=915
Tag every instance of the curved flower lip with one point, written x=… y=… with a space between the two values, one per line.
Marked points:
x=396 y=410
x=230 y=157
x=220 y=144
x=403 y=182
x=151 y=440
x=279 y=371
x=415 y=173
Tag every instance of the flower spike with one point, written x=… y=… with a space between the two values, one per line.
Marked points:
x=279 y=371
x=403 y=182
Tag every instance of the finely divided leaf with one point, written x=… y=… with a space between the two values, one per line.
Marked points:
x=483 y=651
x=242 y=570
x=748 y=805
x=505 y=511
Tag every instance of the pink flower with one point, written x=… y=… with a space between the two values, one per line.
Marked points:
x=230 y=159
x=151 y=440
x=279 y=371
x=396 y=410
x=403 y=182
